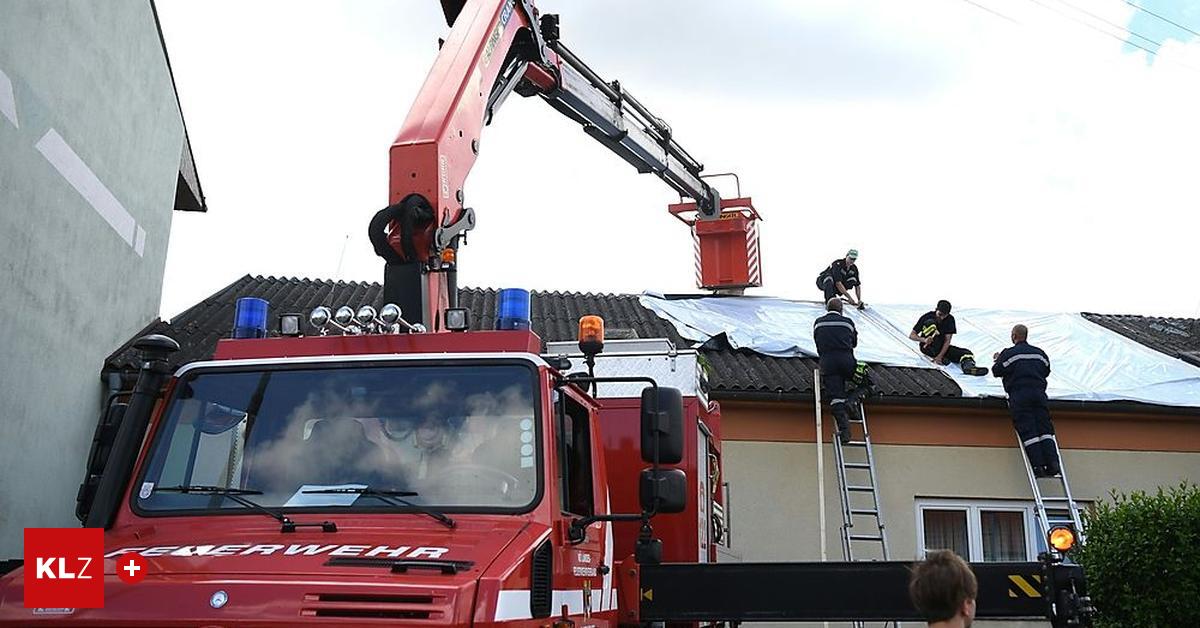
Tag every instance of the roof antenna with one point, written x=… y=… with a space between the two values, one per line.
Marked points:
x=338 y=273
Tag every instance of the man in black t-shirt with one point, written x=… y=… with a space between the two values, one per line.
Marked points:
x=934 y=331
x=840 y=277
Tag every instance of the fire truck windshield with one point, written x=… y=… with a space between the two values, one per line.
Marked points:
x=456 y=437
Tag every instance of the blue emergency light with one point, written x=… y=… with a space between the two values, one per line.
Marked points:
x=250 y=318
x=512 y=309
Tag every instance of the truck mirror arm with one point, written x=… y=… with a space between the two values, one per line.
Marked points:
x=577 y=532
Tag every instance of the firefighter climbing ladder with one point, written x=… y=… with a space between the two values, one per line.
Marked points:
x=1059 y=501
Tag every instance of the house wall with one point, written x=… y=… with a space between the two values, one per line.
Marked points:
x=921 y=453
x=90 y=145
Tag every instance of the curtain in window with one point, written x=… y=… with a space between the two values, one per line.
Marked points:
x=1003 y=535
x=946 y=529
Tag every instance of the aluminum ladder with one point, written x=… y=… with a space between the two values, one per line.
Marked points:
x=857 y=476
x=1059 y=499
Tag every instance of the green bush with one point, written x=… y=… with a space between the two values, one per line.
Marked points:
x=1142 y=558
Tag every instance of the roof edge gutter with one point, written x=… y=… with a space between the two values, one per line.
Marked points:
x=980 y=403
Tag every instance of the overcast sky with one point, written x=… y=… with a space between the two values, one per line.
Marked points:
x=1016 y=154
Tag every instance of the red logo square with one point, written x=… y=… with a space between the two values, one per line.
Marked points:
x=64 y=567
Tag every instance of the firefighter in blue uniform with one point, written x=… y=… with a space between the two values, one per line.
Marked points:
x=836 y=337
x=840 y=277
x=1024 y=369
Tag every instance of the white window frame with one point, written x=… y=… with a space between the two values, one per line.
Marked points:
x=973 y=507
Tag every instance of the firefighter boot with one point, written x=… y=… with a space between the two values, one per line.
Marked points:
x=968 y=366
x=840 y=415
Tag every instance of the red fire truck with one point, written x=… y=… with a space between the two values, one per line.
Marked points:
x=384 y=470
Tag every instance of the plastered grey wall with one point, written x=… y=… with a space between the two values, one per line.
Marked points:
x=773 y=490
x=90 y=142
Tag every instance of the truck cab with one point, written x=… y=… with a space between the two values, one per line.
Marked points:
x=419 y=478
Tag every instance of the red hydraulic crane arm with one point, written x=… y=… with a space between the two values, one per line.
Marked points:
x=496 y=47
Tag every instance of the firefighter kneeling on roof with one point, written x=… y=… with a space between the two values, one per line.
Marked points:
x=836 y=337
x=934 y=331
x=1024 y=369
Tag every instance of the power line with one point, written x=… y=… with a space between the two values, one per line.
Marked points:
x=1094 y=27
x=1168 y=21
x=992 y=11
x=1112 y=24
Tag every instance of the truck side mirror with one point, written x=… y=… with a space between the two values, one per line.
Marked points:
x=662 y=414
x=672 y=490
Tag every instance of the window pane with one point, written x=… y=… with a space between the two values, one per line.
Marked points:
x=455 y=436
x=946 y=529
x=1003 y=535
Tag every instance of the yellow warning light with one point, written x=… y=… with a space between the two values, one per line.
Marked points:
x=591 y=334
x=1062 y=539
x=449 y=256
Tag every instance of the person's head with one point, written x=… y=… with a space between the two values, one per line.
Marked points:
x=432 y=433
x=851 y=256
x=833 y=305
x=942 y=310
x=1020 y=333
x=943 y=588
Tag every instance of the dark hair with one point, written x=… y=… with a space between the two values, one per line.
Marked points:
x=940 y=584
x=943 y=306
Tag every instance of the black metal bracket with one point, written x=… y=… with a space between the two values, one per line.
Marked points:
x=448 y=567
x=290 y=526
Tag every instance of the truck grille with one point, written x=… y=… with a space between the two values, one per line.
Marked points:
x=434 y=606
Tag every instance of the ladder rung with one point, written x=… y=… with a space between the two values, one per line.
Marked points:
x=866 y=537
x=856 y=465
x=864 y=489
x=1056 y=499
x=865 y=512
x=859 y=443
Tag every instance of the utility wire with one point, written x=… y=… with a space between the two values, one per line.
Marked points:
x=1168 y=21
x=1112 y=24
x=1093 y=27
x=992 y=11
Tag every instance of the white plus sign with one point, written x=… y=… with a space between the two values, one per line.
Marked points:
x=132 y=568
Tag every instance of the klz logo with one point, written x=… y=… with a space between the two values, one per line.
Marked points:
x=64 y=567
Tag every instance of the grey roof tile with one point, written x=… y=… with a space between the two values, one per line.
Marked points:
x=1176 y=337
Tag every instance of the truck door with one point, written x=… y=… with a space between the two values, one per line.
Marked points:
x=579 y=493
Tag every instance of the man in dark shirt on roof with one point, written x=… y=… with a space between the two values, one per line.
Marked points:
x=934 y=331
x=1024 y=369
x=836 y=337
x=840 y=277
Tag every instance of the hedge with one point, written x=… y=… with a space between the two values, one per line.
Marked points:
x=1142 y=558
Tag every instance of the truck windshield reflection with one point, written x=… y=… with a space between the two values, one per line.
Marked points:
x=453 y=437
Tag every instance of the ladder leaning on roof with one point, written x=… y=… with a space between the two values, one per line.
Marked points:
x=1060 y=500
x=858 y=477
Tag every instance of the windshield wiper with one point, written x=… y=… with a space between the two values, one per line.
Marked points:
x=237 y=495
x=392 y=497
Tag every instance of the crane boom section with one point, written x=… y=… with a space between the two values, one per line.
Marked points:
x=496 y=47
